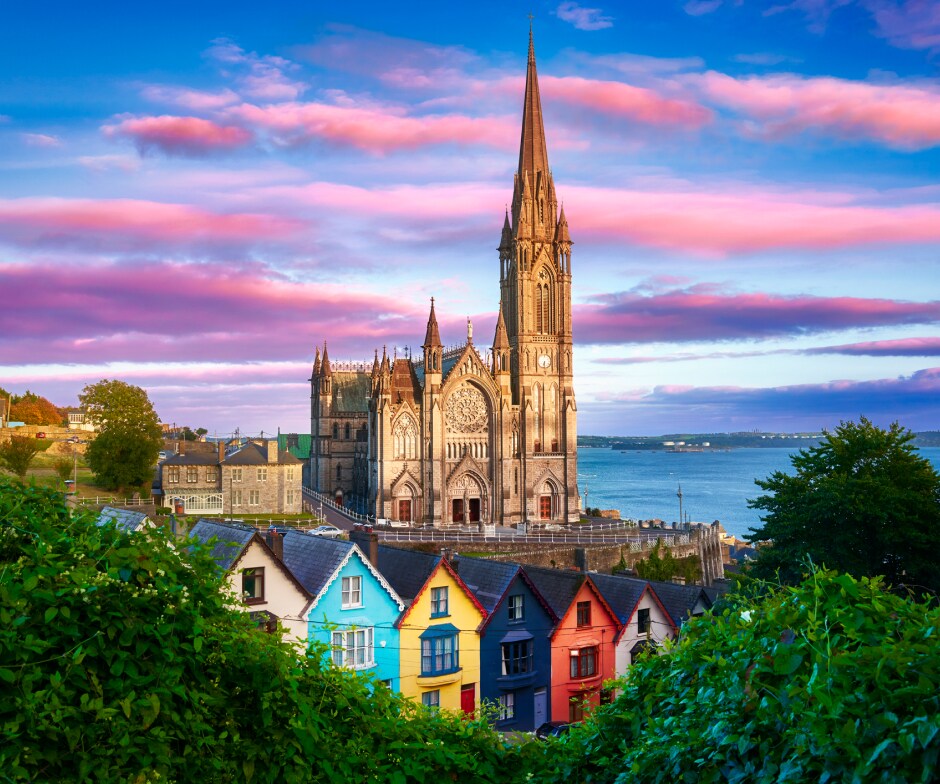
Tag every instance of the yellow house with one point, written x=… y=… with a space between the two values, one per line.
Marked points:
x=440 y=645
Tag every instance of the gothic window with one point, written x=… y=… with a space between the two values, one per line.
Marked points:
x=537 y=412
x=335 y=431
x=543 y=304
x=339 y=473
x=405 y=439
x=347 y=431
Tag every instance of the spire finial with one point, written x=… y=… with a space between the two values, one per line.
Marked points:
x=469 y=330
x=531 y=42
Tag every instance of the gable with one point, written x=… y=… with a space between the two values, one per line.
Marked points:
x=462 y=604
x=354 y=564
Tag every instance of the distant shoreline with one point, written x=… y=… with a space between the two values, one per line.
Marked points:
x=723 y=442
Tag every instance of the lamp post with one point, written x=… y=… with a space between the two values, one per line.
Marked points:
x=679 y=494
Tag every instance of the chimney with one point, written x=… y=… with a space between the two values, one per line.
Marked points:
x=580 y=559
x=272 y=451
x=374 y=549
x=221 y=451
x=276 y=542
x=181 y=447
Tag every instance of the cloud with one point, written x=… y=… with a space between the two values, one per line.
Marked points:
x=194 y=100
x=264 y=77
x=583 y=18
x=909 y=24
x=617 y=99
x=376 y=130
x=817 y=12
x=736 y=219
x=701 y=7
x=104 y=163
x=702 y=313
x=185 y=136
x=902 y=347
x=897 y=115
x=134 y=225
x=761 y=58
x=41 y=140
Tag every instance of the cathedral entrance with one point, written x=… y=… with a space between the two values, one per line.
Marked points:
x=473 y=512
x=404 y=511
x=545 y=507
x=467 y=500
x=457 y=510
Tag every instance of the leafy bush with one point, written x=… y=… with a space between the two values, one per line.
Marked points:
x=120 y=660
x=832 y=680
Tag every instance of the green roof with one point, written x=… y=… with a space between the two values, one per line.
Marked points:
x=298 y=444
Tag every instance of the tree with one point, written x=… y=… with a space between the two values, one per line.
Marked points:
x=662 y=566
x=64 y=467
x=863 y=502
x=129 y=437
x=33 y=409
x=17 y=453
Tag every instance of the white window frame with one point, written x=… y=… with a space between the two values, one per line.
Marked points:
x=507 y=706
x=254 y=498
x=354 y=649
x=236 y=498
x=262 y=474
x=431 y=699
x=515 y=607
x=439 y=602
x=351 y=592
x=236 y=475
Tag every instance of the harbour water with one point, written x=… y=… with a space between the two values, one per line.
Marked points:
x=715 y=485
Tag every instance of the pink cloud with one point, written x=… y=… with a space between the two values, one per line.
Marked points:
x=373 y=129
x=912 y=24
x=699 y=313
x=901 y=116
x=127 y=225
x=902 y=347
x=188 y=136
x=196 y=100
x=583 y=18
x=743 y=220
x=623 y=100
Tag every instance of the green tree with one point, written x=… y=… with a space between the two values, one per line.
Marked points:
x=64 y=467
x=17 y=453
x=863 y=502
x=129 y=437
x=662 y=566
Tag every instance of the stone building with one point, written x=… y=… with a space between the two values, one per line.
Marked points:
x=256 y=479
x=464 y=435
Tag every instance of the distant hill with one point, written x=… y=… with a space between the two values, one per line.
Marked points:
x=706 y=441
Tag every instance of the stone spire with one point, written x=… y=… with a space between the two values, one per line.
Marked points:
x=316 y=362
x=505 y=241
x=325 y=370
x=500 y=339
x=561 y=230
x=375 y=364
x=533 y=154
x=432 y=337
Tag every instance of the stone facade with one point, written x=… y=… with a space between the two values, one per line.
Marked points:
x=464 y=435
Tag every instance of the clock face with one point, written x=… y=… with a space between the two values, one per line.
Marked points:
x=545 y=361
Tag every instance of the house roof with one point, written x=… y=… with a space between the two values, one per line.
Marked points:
x=298 y=444
x=233 y=540
x=123 y=519
x=257 y=454
x=488 y=580
x=406 y=570
x=351 y=392
x=560 y=586
x=189 y=459
x=680 y=600
x=622 y=593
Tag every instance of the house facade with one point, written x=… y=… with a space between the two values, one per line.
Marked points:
x=353 y=610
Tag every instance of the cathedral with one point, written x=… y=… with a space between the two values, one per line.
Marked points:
x=464 y=436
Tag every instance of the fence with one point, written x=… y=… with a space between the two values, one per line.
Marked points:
x=110 y=500
x=638 y=540
x=312 y=500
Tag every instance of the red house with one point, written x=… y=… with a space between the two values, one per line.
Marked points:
x=582 y=643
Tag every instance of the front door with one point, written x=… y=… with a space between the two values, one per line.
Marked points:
x=457 y=510
x=545 y=507
x=541 y=708
x=404 y=510
x=474 y=511
x=468 y=698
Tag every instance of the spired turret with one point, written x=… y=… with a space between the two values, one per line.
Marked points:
x=433 y=348
x=316 y=363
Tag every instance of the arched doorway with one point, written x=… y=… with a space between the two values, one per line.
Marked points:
x=547 y=501
x=466 y=500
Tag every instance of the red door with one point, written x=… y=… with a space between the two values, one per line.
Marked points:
x=404 y=511
x=457 y=510
x=545 y=507
x=468 y=698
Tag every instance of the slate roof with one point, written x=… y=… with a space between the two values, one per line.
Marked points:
x=406 y=570
x=205 y=459
x=123 y=519
x=257 y=454
x=488 y=580
x=557 y=586
x=351 y=392
x=232 y=539
x=680 y=600
x=404 y=383
x=298 y=444
x=313 y=560
x=621 y=593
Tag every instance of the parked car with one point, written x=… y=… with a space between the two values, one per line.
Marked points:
x=73 y=440
x=40 y=435
x=330 y=531
x=383 y=522
x=552 y=729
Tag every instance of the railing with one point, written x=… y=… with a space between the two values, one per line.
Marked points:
x=313 y=500
x=636 y=540
x=110 y=500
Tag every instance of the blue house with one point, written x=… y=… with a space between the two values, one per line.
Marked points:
x=515 y=647
x=353 y=610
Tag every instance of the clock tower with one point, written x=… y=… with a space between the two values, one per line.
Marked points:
x=535 y=298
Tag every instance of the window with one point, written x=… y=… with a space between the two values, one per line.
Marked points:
x=515 y=606
x=192 y=474
x=352 y=592
x=643 y=621
x=584 y=662
x=289 y=498
x=212 y=474
x=517 y=657
x=439 y=653
x=575 y=710
x=354 y=648
x=431 y=699
x=236 y=498
x=438 y=602
x=262 y=474
x=254 y=498
x=346 y=431
x=236 y=475
x=339 y=473
x=335 y=431
x=173 y=475
x=507 y=706
x=253 y=585
x=290 y=473
x=584 y=613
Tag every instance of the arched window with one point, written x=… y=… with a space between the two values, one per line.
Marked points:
x=335 y=431
x=405 y=439
x=347 y=431
x=339 y=473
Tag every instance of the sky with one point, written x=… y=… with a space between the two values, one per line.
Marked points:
x=194 y=196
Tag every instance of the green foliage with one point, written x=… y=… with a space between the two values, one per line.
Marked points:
x=64 y=467
x=835 y=679
x=129 y=436
x=863 y=502
x=122 y=661
x=661 y=565
x=17 y=453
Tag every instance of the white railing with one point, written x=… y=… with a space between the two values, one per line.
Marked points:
x=110 y=500
x=494 y=534
x=313 y=500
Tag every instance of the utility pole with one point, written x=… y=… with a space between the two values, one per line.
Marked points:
x=679 y=494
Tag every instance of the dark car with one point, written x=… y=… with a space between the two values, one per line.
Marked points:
x=552 y=729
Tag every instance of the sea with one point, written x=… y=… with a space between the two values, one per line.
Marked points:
x=716 y=485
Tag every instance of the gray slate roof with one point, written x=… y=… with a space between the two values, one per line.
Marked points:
x=351 y=392
x=313 y=559
x=200 y=459
x=557 y=586
x=680 y=600
x=123 y=519
x=256 y=454
x=406 y=570
x=621 y=593
x=232 y=539
x=488 y=580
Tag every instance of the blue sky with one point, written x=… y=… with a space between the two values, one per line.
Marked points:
x=192 y=197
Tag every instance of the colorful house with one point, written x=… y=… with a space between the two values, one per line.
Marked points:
x=266 y=588
x=353 y=609
x=582 y=642
x=515 y=649
x=440 y=645
x=644 y=621
x=682 y=601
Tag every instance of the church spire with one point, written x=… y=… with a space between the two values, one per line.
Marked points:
x=432 y=337
x=533 y=154
x=500 y=339
x=316 y=363
x=325 y=370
